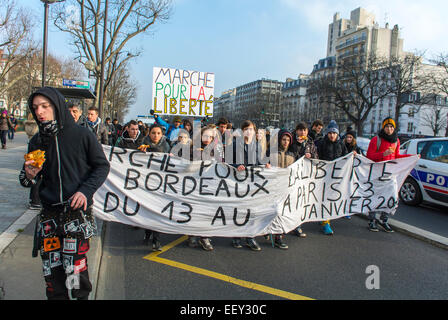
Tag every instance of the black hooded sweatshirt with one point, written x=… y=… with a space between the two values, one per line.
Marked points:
x=75 y=161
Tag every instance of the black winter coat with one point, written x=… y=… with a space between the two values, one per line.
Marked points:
x=128 y=143
x=299 y=149
x=329 y=151
x=75 y=161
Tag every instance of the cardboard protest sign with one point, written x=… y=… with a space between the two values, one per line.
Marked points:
x=182 y=92
x=207 y=198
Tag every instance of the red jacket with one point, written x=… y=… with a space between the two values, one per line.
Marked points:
x=378 y=156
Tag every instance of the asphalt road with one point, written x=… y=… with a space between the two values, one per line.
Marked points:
x=428 y=217
x=316 y=267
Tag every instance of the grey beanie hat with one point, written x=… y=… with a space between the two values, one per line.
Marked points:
x=332 y=127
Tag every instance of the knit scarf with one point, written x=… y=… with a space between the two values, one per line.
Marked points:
x=94 y=124
x=48 y=128
x=390 y=138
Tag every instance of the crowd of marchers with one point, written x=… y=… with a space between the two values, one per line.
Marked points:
x=75 y=167
x=315 y=141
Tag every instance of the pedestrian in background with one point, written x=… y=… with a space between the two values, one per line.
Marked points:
x=96 y=126
x=118 y=130
x=110 y=131
x=77 y=115
x=5 y=125
x=13 y=127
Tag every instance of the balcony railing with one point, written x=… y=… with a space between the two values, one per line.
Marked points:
x=350 y=42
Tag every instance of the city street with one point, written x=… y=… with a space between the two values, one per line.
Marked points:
x=315 y=267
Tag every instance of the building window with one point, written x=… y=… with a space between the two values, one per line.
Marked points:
x=410 y=127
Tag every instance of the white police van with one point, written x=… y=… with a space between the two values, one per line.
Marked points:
x=428 y=181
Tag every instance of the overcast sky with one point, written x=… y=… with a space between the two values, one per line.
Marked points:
x=246 y=40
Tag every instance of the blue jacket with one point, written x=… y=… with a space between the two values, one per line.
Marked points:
x=171 y=131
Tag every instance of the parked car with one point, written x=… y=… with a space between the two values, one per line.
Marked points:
x=363 y=143
x=428 y=181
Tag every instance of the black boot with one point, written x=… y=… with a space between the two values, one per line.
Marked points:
x=156 y=246
x=279 y=242
x=147 y=237
x=386 y=227
x=372 y=225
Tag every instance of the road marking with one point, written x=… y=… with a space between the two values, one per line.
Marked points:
x=154 y=256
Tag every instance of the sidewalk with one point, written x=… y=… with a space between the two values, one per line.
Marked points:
x=21 y=276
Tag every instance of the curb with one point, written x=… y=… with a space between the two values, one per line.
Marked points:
x=420 y=234
x=10 y=234
x=96 y=248
x=417 y=233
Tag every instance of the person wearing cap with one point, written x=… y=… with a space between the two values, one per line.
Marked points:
x=350 y=141
x=172 y=130
x=330 y=148
x=385 y=146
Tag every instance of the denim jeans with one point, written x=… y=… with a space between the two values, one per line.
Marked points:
x=383 y=215
x=3 y=134
x=11 y=134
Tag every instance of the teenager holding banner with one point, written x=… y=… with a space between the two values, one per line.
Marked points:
x=385 y=146
x=246 y=153
x=330 y=148
x=285 y=159
x=303 y=145
x=210 y=149
x=157 y=142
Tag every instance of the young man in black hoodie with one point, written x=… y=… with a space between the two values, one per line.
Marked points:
x=75 y=167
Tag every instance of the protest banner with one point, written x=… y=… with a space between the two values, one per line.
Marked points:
x=182 y=92
x=168 y=194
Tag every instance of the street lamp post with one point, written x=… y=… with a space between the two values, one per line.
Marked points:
x=101 y=93
x=44 y=49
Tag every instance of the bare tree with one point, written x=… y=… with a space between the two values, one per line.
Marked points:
x=121 y=94
x=29 y=72
x=434 y=116
x=355 y=88
x=16 y=43
x=407 y=76
x=439 y=79
x=126 y=20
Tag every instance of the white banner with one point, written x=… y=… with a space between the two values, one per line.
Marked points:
x=182 y=92
x=171 y=195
